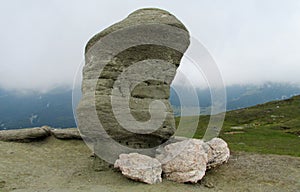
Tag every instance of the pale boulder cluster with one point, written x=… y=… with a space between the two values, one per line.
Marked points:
x=184 y=161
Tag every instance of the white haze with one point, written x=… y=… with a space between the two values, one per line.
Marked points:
x=252 y=41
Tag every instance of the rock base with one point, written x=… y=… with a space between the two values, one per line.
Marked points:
x=183 y=161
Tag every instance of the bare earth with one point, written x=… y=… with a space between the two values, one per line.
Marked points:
x=58 y=165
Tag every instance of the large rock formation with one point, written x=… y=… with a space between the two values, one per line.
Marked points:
x=129 y=66
x=140 y=168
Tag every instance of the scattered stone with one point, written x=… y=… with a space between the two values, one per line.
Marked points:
x=209 y=185
x=25 y=135
x=237 y=128
x=140 y=168
x=69 y=133
x=10 y=151
x=184 y=161
x=217 y=151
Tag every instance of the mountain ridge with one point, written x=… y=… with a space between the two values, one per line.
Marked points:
x=54 y=108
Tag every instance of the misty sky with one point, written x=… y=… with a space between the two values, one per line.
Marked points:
x=252 y=41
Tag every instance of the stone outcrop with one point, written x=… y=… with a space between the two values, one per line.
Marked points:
x=140 y=168
x=128 y=67
x=25 y=135
x=217 y=151
x=39 y=133
x=70 y=133
x=184 y=161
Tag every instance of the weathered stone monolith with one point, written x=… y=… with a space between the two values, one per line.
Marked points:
x=126 y=83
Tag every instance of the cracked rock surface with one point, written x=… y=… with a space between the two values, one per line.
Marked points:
x=184 y=161
x=126 y=81
x=140 y=168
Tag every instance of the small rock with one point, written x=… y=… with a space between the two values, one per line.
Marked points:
x=184 y=161
x=70 y=133
x=93 y=155
x=140 y=167
x=217 y=151
x=10 y=152
x=237 y=128
x=208 y=184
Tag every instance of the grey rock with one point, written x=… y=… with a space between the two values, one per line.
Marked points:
x=140 y=168
x=126 y=81
x=184 y=161
x=25 y=135
x=139 y=17
x=208 y=184
x=69 y=133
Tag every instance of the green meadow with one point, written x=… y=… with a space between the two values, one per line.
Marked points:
x=270 y=128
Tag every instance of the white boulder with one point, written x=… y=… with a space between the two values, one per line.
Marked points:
x=184 y=161
x=140 y=167
x=217 y=152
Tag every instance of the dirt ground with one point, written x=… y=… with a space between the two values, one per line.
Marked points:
x=55 y=165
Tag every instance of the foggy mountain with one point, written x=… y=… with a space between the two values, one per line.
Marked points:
x=19 y=110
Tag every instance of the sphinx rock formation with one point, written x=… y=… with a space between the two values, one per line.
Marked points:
x=126 y=81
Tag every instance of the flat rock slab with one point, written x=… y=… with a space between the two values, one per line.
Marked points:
x=25 y=135
x=39 y=133
x=70 y=133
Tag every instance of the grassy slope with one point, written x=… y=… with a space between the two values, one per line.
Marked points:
x=272 y=128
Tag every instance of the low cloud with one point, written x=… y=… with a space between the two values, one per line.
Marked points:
x=252 y=41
